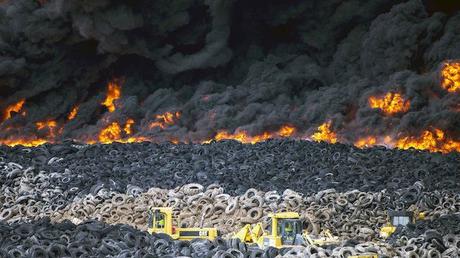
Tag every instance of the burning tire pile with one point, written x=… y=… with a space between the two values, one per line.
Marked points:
x=70 y=199
x=227 y=111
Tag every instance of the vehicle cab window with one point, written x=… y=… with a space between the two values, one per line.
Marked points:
x=159 y=220
x=288 y=229
x=400 y=221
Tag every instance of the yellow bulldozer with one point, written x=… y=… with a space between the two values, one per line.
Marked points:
x=397 y=219
x=160 y=220
x=286 y=230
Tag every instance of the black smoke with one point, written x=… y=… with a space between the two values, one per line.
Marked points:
x=228 y=64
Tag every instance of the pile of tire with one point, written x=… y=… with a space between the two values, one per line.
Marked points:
x=437 y=237
x=302 y=166
x=95 y=239
x=227 y=185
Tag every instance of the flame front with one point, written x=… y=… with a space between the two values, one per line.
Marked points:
x=450 y=74
x=110 y=134
x=23 y=141
x=286 y=131
x=114 y=133
x=390 y=104
x=366 y=142
x=113 y=93
x=50 y=131
x=325 y=134
x=243 y=136
x=165 y=120
x=73 y=113
x=431 y=140
x=15 y=107
x=434 y=140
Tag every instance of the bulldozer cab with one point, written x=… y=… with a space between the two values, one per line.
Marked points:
x=400 y=218
x=160 y=220
x=288 y=230
x=396 y=219
x=285 y=230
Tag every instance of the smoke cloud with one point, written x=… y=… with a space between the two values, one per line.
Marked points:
x=226 y=65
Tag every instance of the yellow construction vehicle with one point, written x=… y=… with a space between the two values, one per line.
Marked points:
x=325 y=238
x=160 y=221
x=285 y=231
x=397 y=219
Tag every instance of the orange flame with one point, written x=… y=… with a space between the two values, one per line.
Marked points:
x=286 y=131
x=43 y=124
x=128 y=125
x=73 y=113
x=32 y=141
x=366 y=142
x=110 y=134
x=113 y=93
x=450 y=74
x=392 y=103
x=15 y=107
x=23 y=141
x=50 y=125
x=325 y=134
x=243 y=136
x=113 y=133
x=434 y=141
x=165 y=120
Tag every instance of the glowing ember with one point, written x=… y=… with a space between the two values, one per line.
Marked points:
x=73 y=113
x=392 y=103
x=434 y=141
x=325 y=134
x=164 y=120
x=450 y=74
x=113 y=93
x=366 y=142
x=16 y=107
